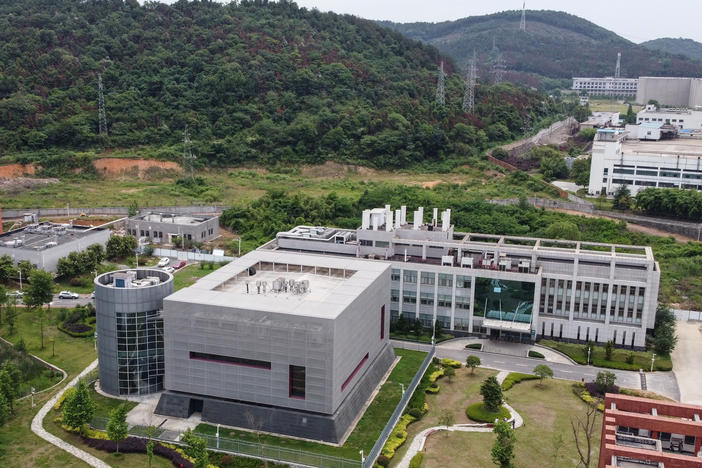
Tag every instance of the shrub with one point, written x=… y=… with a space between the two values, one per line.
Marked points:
x=75 y=282
x=630 y=358
x=397 y=436
x=535 y=354
x=514 y=378
x=415 y=413
x=478 y=412
x=77 y=330
x=416 y=460
x=136 y=445
x=580 y=390
x=434 y=376
x=474 y=346
x=62 y=398
x=446 y=362
x=383 y=461
x=434 y=388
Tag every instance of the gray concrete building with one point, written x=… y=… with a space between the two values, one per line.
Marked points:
x=280 y=342
x=129 y=327
x=164 y=227
x=514 y=288
x=670 y=91
x=44 y=244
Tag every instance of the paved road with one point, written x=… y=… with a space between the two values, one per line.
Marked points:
x=686 y=363
x=662 y=382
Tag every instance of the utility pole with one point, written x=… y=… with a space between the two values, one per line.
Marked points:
x=102 y=118
x=618 y=69
x=188 y=157
x=522 y=23
x=469 y=96
x=498 y=68
x=440 y=90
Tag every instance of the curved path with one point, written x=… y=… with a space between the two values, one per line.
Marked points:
x=420 y=439
x=48 y=364
x=38 y=426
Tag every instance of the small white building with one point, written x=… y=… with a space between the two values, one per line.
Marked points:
x=678 y=117
x=601 y=119
x=619 y=158
x=607 y=86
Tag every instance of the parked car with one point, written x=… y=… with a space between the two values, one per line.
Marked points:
x=163 y=262
x=18 y=294
x=168 y=269
x=92 y=295
x=180 y=264
x=67 y=295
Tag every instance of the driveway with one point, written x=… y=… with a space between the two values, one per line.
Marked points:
x=686 y=364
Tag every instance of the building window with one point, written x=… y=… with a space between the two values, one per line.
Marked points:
x=353 y=374
x=463 y=282
x=427 y=278
x=382 y=322
x=426 y=298
x=394 y=295
x=445 y=280
x=230 y=360
x=395 y=275
x=409 y=297
x=410 y=276
x=297 y=382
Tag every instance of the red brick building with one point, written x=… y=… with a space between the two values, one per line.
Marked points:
x=644 y=432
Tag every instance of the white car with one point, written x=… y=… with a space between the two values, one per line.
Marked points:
x=169 y=269
x=163 y=262
x=67 y=295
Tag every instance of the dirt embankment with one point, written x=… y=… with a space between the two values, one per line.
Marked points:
x=140 y=168
x=10 y=171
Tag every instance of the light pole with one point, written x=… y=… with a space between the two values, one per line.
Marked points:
x=239 y=254
x=20 y=274
x=588 y=355
x=33 y=397
x=403 y=388
x=217 y=435
x=363 y=459
x=653 y=359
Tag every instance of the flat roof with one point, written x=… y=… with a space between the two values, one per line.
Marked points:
x=44 y=236
x=172 y=218
x=682 y=147
x=315 y=285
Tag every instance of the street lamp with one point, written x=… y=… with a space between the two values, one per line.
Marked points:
x=33 y=397
x=217 y=435
x=588 y=355
x=363 y=459
x=403 y=388
x=653 y=359
x=239 y=254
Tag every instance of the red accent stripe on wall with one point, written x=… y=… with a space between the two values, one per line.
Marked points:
x=355 y=371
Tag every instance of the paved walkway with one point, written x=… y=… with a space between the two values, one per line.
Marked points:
x=686 y=364
x=417 y=444
x=38 y=427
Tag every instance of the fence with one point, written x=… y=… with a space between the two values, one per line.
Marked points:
x=184 y=255
x=399 y=409
x=692 y=315
x=112 y=210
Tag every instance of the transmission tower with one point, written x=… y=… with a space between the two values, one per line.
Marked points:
x=188 y=156
x=522 y=23
x=469 y=96
x=102 y=119
x=440 y=91
x=618 y=70
x=498 y=68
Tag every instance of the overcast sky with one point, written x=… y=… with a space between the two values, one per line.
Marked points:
x=636 y=20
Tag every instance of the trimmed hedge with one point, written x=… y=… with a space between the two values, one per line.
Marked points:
x=446 y=362
x=477 y=412
x=433 y=388
x=135 y=445
x=536 y=354
x=434 y=376
x=514 y=378
x=77 y=330
x=398 y=436
x=583 y=394
x=416 y=460
x=477 y=346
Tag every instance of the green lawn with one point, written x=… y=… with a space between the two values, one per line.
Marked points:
x=189 y=274
x=368 y=428
x=642 y=359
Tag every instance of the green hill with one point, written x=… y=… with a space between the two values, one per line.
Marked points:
x=554 y=45
x=257 y=81
x=677 y=46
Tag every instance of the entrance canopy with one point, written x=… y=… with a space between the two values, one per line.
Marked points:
x=495 y=324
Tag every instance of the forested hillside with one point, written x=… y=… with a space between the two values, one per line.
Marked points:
x=554 y=45
x=677 y=46
x=254 y=81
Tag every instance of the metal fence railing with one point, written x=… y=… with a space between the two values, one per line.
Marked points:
x=399 y=409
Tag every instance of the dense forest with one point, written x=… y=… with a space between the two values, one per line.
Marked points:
x=253 y=81
x=554 y=45
x=679 y=46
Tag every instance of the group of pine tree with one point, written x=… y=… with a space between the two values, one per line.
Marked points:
x=254 y=81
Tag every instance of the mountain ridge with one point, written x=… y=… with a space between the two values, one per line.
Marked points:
x=677 y=46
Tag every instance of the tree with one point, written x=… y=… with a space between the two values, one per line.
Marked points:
x=120 y=247
x=553 y=168
x=150 y=451
x=78 y=408
x=472 y=362
x=563 y=230
x=605 y=381
x=7 y=268
x=587 y=134
x=5 y=410
x=197 y=449
x=503 y=449
x=622 y=198
x=583 y=432
x=664 y=340
x=580 y=172
x=11 y=315
x=492 y=394
x=446 y=418
x=500 y=153
x=4 y=301
x=40 y=292
x=543 y=371
x=449 y=372
x=133 y=209
x=117 y=425
x=630 y=115
x=9 y=387
x=609 y=348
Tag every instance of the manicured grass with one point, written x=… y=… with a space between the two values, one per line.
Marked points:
x=34 y=374
x=368 y=428
x=479 y=413
x=105 y=405
x=189 y=274
x=423 y=338
x=545 y=440
x=642 y=359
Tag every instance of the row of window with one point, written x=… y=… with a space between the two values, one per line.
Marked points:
x=429 y=279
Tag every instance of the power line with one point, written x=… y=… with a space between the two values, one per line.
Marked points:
x=469 y=96
x=440 y=90
x=498 y=68
x=102 y=118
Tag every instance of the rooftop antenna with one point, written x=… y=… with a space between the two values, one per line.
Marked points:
x=102 y=119
x=618 y=70
x=440 y=91
x=469 y=96
x=188 y=157
x=522 y=23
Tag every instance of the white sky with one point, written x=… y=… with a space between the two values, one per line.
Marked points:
x=636 y=20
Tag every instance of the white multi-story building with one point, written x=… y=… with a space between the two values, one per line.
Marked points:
x=619 y=160
x=514 y=288
x=607 y=86
x=678 y=117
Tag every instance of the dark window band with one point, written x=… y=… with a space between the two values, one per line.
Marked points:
x=230 y=360
x=355 y=371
